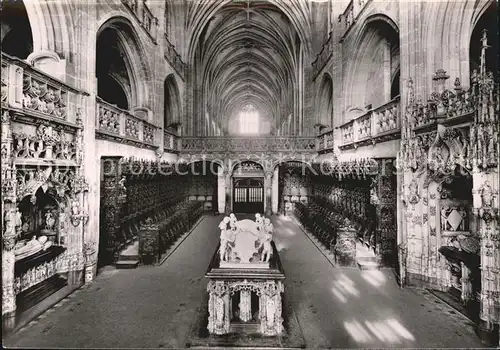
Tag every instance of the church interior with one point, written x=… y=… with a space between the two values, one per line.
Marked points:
x=143 y=142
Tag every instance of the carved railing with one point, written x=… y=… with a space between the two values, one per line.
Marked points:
x=149 y=22
x=170 y=141
x=144 y=15
x=325 y=142
x=377 y=125
x=33 y=93
x=323 y=56
x=444 y=103
x=248 y=144
x=351 y=12
x=133 y=5
x=120 y=125
x=172 y=56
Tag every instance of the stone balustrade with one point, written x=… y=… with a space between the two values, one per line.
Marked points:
x=173 y=57
x=248 y=144
x=35 y=94
x=325 y=142
x=377 y=125
x=170 y=141
x=445 y=103
x=119 y=124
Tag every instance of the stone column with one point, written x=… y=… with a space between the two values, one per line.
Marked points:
x=218 y=307
x=228 y=197
x=245 y=305
x=271 y=308
x=8 y=292
x=275 y=191
x=221 y=192
x=486 y=205
x=268 y=183
x=10 y=226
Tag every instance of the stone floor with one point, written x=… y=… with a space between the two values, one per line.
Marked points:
x=153 y=307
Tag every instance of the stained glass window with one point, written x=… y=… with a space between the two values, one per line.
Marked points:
x=249 y=120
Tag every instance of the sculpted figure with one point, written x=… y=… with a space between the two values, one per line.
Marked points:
x=12 y=222
x=268 y=226
x=259 y=220
x=267 y=251
x=223 y=250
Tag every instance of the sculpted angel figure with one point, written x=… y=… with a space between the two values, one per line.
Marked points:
x=265 y=242
x=259 y=221
x=226 y=237
x=268 y=226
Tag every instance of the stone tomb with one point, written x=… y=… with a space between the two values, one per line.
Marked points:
x=245 y=280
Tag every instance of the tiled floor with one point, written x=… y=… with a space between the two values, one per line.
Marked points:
x=153 y=307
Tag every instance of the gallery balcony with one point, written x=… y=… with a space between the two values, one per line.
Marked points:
x=285 y=147
x=377 y=125
x=119 y=125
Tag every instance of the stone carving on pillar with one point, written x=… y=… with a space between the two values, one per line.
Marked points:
x=217 y=311
x=268 y=188
x=245 y=305
x=113 y=194
x=12 y=223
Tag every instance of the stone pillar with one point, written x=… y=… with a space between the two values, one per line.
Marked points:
x=112 y=198
x=245 y=305
x=486 y=205
x=268 y=183
x=227 y=196
x=8 y=292
x=218 y=307
x=271 y=320
x=275 y=191
x=10 y=225
x=221 y=192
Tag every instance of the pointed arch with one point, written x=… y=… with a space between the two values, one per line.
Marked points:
x=171 y=102
x=133 y=54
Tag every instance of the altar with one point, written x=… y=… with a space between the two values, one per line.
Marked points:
x=245 y=280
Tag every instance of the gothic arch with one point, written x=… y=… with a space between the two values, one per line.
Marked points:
x=377 y=37
x=52 y=27
x=245 y=54
x=449 y=25
x=134 y=57
x=171 y=102
x=488 y=20
x=200 y=13
x=324 y=101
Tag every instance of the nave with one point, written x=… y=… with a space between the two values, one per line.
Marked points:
x=152 y=307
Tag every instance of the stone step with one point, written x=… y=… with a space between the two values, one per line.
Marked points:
x=127 y=264
x=365 y=264
x=128 y=256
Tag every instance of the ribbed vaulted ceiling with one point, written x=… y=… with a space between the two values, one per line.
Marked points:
x=247 y=54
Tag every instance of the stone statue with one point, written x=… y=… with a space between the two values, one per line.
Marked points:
x=49 y=221
x=259 y=221
x=224 y=239
x=268 y=226
x=30 y=248
x=265 y=240
x=267 y=250
x=12 y=222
